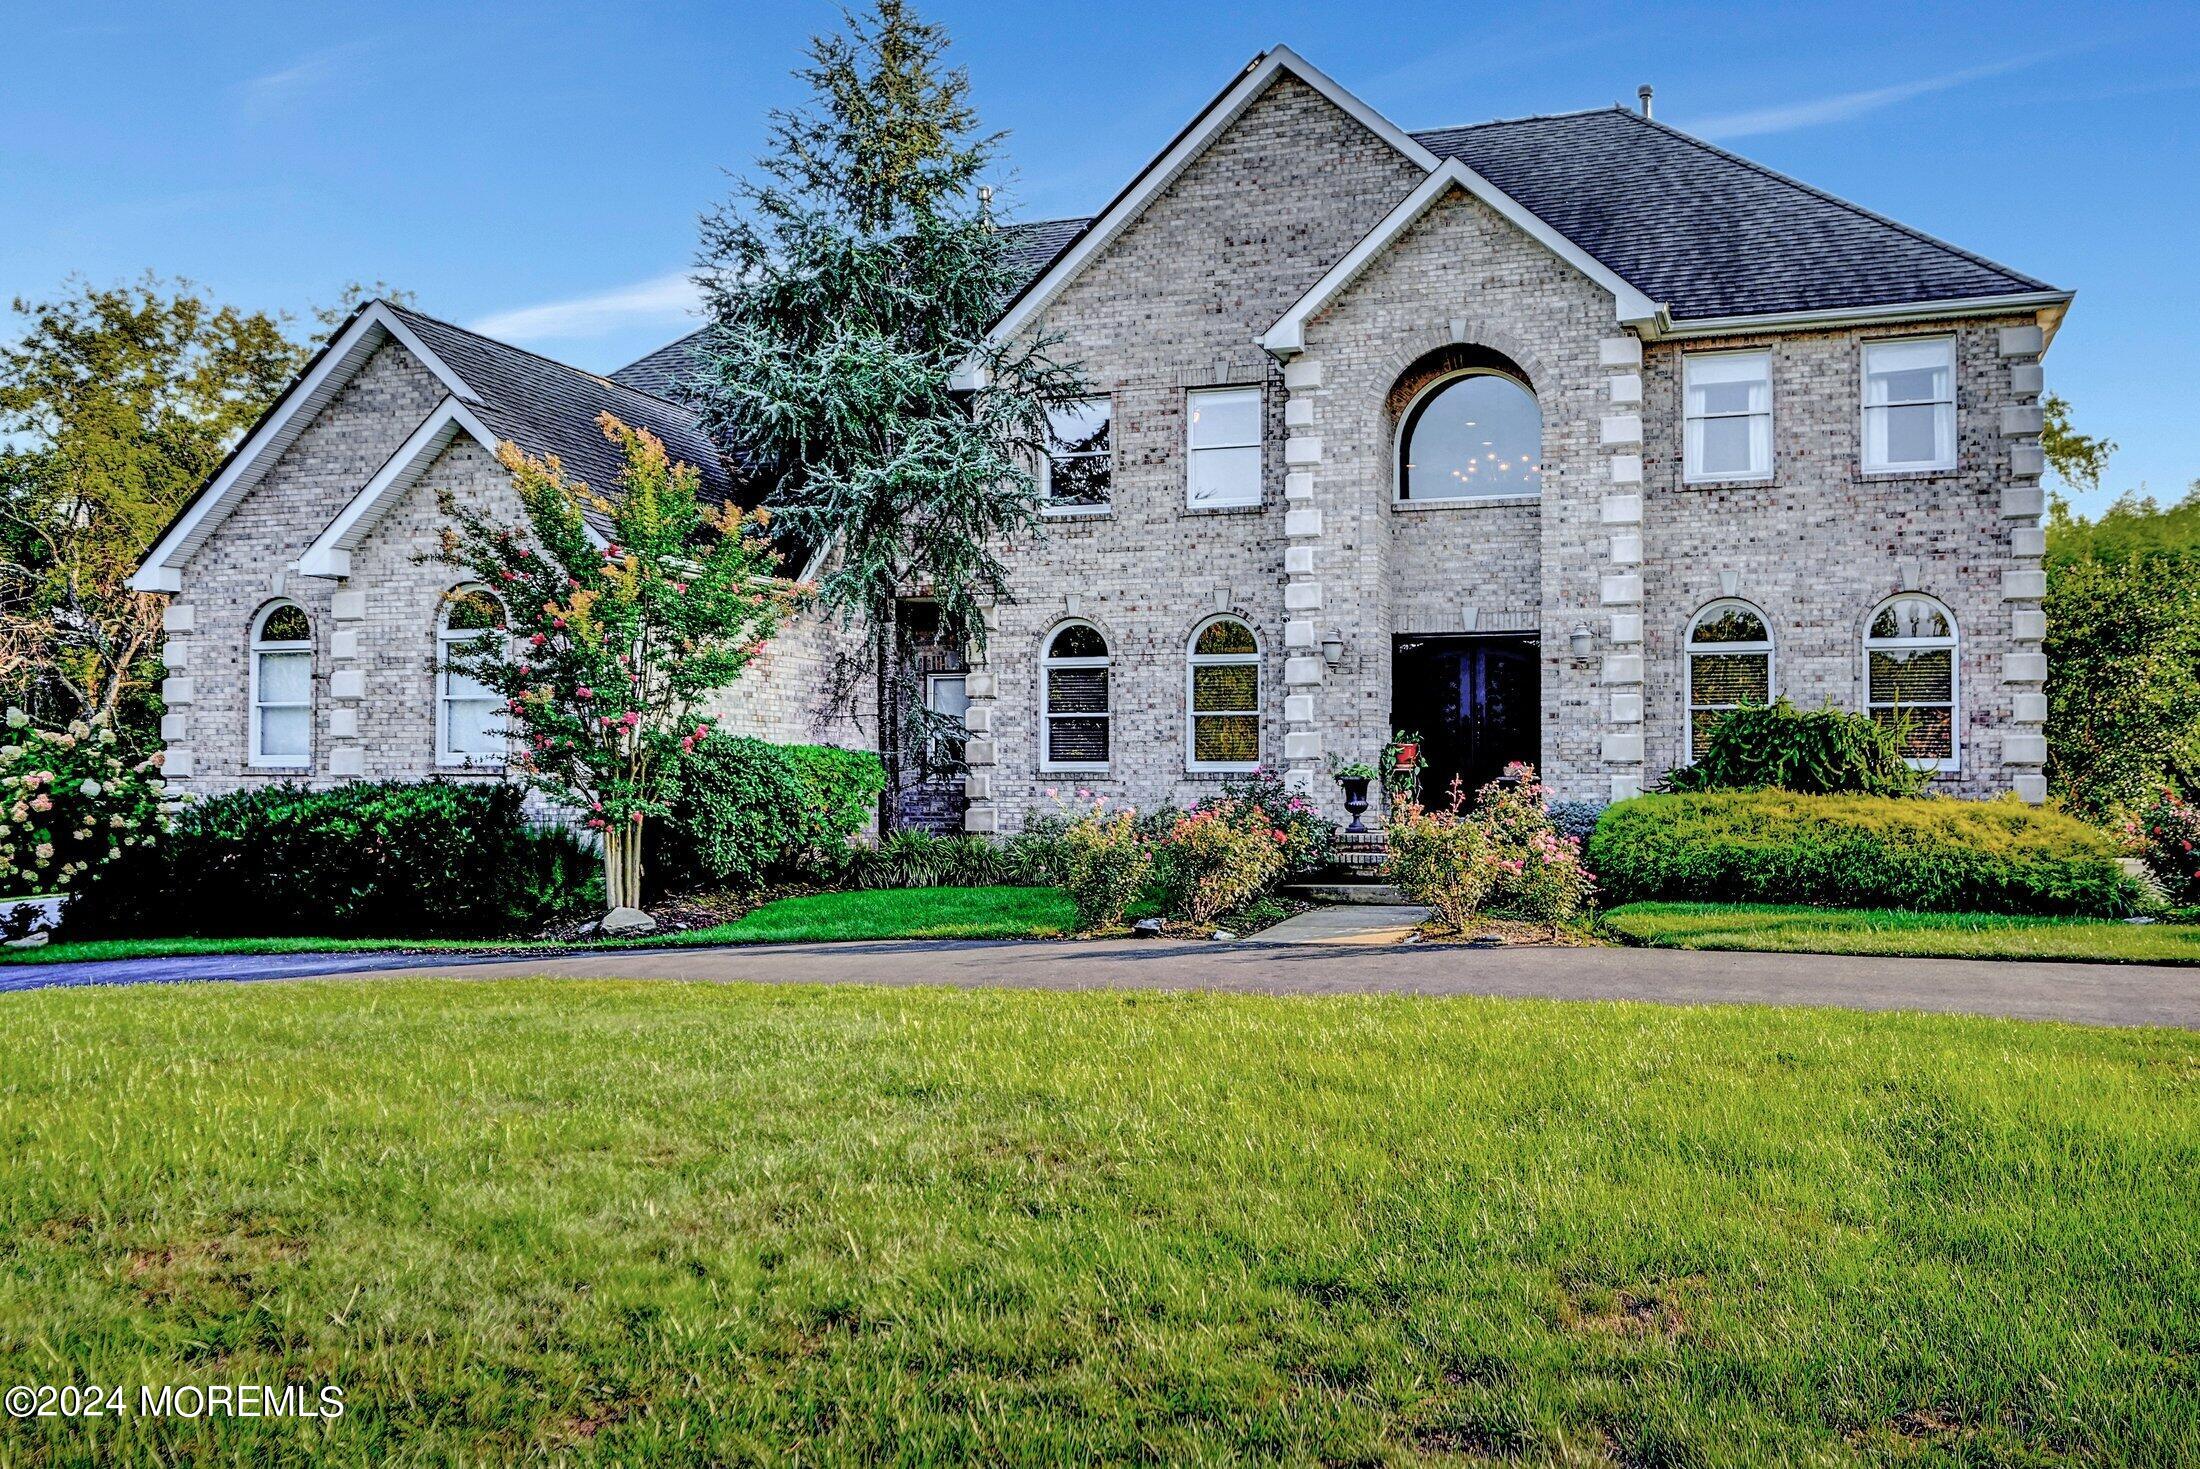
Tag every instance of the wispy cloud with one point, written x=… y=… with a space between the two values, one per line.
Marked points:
x=660 y=301
x=1818 y=111
x=277 y=93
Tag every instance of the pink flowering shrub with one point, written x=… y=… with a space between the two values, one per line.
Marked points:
x=1541 y=876
x=1310 y=843
x=1219 y=857
x=2171 y=830
x=1105 y=860
x=69 y=805
x=1505 y=855
x=1441 y=858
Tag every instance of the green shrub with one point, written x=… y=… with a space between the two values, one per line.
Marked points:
x=1309 y=842
x=370 y=859
x=2170 y=831
x=747 y=812
x=1219 y=858
x=1105 y=860
x=919 y=859
x=1814 y=752
x=1929 y=855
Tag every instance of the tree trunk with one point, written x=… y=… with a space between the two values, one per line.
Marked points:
x=884 y=654
x=622 y=865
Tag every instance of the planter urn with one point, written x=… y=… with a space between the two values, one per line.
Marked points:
x=1355 y=798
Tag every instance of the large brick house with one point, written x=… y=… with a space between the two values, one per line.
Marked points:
x=1547 y=439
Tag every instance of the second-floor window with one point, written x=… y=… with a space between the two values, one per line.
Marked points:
x=1222 y=449
x=1910 y=404
x=1078 y=474
x=1728 y=429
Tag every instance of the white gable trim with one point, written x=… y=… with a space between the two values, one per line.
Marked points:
x=1288 y=336
x=1180 y=155
x=337 y=364
x=330 y=553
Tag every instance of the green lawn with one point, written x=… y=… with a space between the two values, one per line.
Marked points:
x=887 y=913
x=1779 y=929
x=654 y=1223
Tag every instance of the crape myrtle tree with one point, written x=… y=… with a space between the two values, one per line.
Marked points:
x=612 y=642
x=845 y=284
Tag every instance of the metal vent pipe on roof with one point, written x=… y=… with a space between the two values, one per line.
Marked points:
x=1642 y=93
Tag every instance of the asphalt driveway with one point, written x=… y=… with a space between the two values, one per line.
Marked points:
x=2098 y=994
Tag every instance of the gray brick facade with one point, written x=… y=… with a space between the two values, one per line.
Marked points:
x=1605 y=565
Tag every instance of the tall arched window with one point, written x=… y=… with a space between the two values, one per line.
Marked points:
x=1222 y=696
x=282 y=687
x=468 y=730
x=1729 y=665
x=1910 y=676
x=1073 y=694
x=1470 y=436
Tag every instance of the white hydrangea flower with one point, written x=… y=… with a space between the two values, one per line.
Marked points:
x=89 y=790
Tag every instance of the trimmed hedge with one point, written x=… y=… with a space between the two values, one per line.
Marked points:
x=1927 y=854
x=383 y=859
x=750 y=812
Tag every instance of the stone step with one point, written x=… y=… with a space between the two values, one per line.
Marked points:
x=1347 y=892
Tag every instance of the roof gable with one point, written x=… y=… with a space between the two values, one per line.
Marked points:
x=1095 y=234
x=1288 y=335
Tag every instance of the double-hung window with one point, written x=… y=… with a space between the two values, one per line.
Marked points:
x=1222 y=447
x=1078 y=474
x=1728 y=416
x=1910 y=404
x=469 y=727
x=282 y=688
x=1073 y=695
x=1910 y=676
x=1222 y=696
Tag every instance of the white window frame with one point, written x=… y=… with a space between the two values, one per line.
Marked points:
x=261 y=647
x=1691 y=472
x=932 y=682
x=1953 y=642
x=1769 y=646
x=1047 y=662
x=1865 y=407
x=1195 y=396
x=1195 y=660
x=1046 y=463
x=445 y=757
x=1407 y=422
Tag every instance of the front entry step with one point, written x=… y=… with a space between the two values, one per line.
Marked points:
x=1379 y=893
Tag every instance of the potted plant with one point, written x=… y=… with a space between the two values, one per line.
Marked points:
x=1355 y=778
x=1402 y=762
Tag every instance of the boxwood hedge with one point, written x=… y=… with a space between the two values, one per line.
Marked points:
x=1929 y=854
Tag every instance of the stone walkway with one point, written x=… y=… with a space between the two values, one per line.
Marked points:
x=1365 y=924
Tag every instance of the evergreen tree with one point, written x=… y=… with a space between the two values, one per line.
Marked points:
x=846 y=283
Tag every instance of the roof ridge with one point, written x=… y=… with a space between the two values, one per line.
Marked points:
x=1499 y=122
x=594 y=377
x=1835 y=199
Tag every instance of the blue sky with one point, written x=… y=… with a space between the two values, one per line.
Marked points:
x=536 y=169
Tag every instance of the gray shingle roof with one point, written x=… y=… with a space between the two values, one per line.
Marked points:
x=1705 y=231
x=548 y=408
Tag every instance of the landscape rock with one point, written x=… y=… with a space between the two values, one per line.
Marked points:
x=627 y=920
x=1146 y=928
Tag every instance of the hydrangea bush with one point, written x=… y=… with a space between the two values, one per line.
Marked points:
x=69 y=804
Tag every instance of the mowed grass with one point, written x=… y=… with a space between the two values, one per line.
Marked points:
x=886 y=913
x=631 y=1223
x=1786 y=929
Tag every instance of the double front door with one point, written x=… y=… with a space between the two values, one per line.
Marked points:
x=1475 y=702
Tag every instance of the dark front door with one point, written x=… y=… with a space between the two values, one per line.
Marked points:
x=1474 y=701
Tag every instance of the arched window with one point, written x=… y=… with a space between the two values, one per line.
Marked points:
x=1470 y=436
x=468 y=730
x=1074 y=700
x=1910 y=676
x=1729 y=665
x=1222 y=696
x=282 y=687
